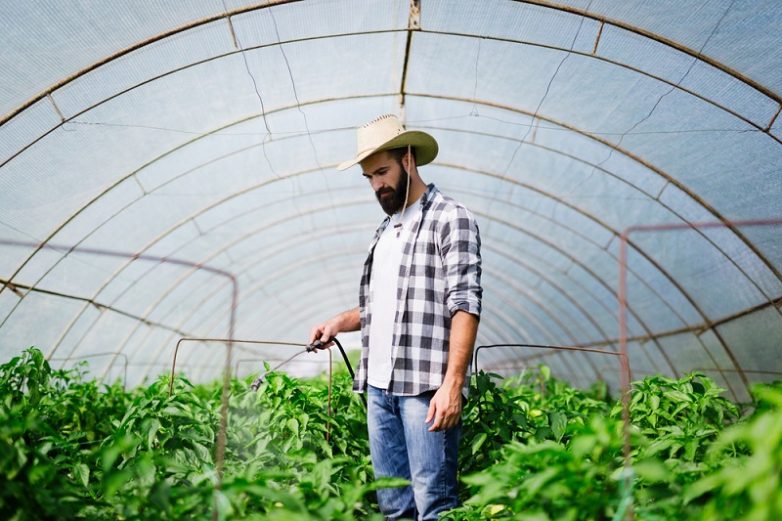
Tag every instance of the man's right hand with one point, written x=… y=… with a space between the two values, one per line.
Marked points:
x=346 y=321
x=323 y=332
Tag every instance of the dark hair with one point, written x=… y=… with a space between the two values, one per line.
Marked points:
x=399 y=153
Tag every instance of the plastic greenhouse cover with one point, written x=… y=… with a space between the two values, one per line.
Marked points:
x=176 y=130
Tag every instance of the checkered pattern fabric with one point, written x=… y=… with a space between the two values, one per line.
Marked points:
x=440 y=273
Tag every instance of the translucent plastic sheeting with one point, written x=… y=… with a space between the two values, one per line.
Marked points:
x=34 y=30
x=756 y=340
x=217 y=142
x=260 y=252
x=36 y=308
x=148 y=346
x=8 y=301
x=738 y=34
x=19 y=132
x=203 y=43
x=158 y=105
x=734 y=246
x=654 y=122
x=577 y=251
x=531 y=290
x=100 y=363
x=70 y=337
x=540 y=234
x=292 y=22
x=711 y=280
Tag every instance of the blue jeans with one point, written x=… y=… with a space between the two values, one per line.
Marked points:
x=402 y=446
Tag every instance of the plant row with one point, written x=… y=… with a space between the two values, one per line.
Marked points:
x=533 y=447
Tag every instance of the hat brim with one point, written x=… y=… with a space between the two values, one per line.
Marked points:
x=425 y=146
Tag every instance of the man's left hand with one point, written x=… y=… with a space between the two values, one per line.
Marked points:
x=445 y=407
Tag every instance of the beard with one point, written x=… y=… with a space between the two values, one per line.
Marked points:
x=395 y=200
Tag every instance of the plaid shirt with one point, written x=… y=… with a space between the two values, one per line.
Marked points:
x=440 y=273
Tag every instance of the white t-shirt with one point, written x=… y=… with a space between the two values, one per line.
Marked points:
x=383 y=284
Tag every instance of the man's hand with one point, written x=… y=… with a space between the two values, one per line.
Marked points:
x=445 y=407
x=347 y=321
x=323 y=332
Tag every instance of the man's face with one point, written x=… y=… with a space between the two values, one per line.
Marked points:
x=388 y=180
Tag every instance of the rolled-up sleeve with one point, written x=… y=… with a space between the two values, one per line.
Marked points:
x=460 y=248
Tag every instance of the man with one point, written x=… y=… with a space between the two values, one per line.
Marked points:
x=419 y=306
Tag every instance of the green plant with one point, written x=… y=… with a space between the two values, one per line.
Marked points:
x=533 y=447
x=746 y=484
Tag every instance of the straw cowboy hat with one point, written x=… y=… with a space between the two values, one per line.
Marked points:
x=386 y=133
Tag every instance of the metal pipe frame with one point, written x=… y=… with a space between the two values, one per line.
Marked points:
x=576 y=348
x=601 y=223
x=602 y=22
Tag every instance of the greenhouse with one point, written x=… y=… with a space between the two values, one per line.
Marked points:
x=173 y=225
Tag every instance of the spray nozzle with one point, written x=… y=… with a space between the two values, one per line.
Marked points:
x=317 y=344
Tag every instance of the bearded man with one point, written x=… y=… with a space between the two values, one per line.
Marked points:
x=418 y=311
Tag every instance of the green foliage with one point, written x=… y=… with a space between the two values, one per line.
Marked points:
x=73 y=449
x=748 y=460
x=684 y=415
x=537 y=448
x=533 y=448
x=547 y=479
x=51 y=425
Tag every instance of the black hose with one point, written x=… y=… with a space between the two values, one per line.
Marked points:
x=318 y=343
x=344 y=357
